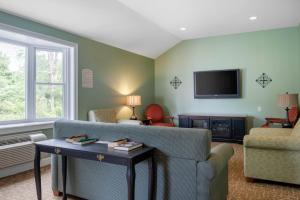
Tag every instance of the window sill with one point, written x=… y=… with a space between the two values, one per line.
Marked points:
x=25 y=127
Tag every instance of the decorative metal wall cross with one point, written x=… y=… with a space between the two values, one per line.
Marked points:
x=263 y=80
x=176 y=82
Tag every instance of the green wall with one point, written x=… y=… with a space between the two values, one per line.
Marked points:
x=299 y=41
x=275 y=52
x=116 y=72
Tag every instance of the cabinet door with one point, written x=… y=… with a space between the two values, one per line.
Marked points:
x=199 y=122
x=238 y=128
x=184 y=122
x=220 y=127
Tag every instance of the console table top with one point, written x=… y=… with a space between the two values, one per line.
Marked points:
x=94 y=148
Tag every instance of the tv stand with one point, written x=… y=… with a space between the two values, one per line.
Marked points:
x=223 y=128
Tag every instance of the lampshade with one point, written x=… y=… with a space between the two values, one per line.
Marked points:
x=287 y=100
x=133 y=100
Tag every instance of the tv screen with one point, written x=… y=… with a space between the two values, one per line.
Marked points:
x=217 y=84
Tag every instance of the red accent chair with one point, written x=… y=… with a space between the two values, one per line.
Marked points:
x=155 y=114
x=292 y=119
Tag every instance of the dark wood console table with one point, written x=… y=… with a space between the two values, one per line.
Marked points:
x=223 y=128
x=96 y=152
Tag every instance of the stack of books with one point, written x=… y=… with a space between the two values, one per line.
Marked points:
x=128 y=146
x=122 y=145
x=81 y=139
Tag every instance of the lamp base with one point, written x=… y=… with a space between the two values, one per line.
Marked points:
x=133 y=117
x=287 y=109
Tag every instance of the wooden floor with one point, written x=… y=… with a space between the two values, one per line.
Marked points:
x=22 y=187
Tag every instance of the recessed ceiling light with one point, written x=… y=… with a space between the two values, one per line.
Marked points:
x=183 y=29
x=253 y=18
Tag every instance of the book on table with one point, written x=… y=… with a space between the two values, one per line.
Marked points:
x=81 y=139
x=114 y=143
x=122 y=144
x=128 y=146
x=86 y=141
x=76 y=138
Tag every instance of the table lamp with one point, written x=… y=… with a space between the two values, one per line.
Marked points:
x=133 y=101
x=287 y=101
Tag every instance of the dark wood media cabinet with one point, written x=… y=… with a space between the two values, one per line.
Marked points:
x=223 y=128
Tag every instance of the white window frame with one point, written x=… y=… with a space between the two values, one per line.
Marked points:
x=70 y=59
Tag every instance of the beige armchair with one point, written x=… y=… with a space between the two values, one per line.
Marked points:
x=109 y=115
x=273 y=154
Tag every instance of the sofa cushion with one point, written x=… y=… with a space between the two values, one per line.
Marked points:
x=296 y=130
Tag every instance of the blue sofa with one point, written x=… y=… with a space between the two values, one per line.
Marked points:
x=187 y=167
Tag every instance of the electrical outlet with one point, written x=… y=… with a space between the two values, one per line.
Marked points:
x=259 y=108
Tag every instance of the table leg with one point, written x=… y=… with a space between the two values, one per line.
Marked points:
x=131 y=181
x=64 y=175
x=151 y=178
x=37 y=172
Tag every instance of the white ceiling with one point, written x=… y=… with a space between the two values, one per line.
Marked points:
x=204 y=18
x=150 y=27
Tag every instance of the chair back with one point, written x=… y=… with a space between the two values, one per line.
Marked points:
x=293 y=115
x=107 y=115
x=155 y=113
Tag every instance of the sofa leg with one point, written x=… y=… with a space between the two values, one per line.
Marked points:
x=57 y=193
x=250 y=180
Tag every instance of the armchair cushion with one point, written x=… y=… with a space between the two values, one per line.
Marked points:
x=271 y=131
x=290 y=143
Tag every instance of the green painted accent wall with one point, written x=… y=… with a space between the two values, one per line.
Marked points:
x=299 y=39
x=116 y=72
x=275 y=52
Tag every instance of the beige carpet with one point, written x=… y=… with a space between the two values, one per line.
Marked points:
x=21 y=187
x=239 y=189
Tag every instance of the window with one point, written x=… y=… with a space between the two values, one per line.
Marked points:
x=49 y=84
x=12 y=81
x=37 y=79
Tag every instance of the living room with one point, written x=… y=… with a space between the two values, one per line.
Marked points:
x=209 y=88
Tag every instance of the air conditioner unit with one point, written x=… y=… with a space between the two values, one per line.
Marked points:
x=17 y=152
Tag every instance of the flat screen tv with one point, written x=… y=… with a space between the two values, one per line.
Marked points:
x=217 y=84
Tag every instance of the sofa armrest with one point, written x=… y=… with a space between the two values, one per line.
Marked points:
x=217 y=160
x=290 y=143
x=271 y=131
